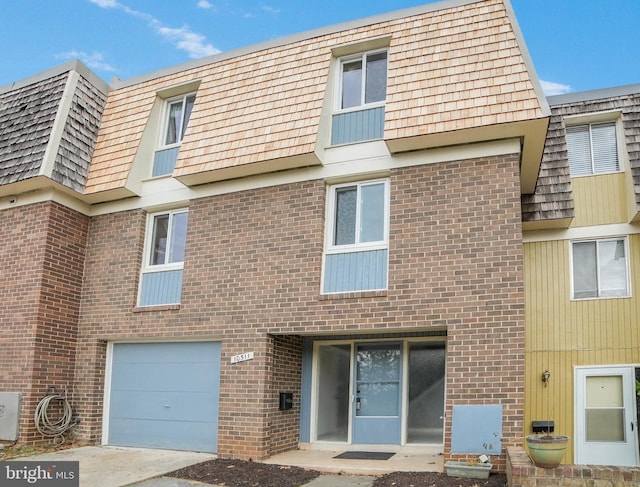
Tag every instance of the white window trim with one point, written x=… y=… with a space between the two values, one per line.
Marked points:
x=590 y=119
x=165 y=120
x=338 y=82
x=147 y=268
x=625 y=239
x=330 y=248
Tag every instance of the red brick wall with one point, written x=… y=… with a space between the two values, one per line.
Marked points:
x=253 y=268
x=42 y=253
x=287 y=365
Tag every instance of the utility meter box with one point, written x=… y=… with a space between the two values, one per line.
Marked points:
x=286 y=401
x=9 y=415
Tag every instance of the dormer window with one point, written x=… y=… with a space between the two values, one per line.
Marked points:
x=363 y=79
x=177 y=117
x=592 y=149
x=361 y=93
x=174 y=123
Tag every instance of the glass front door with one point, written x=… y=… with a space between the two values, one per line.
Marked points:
x=378 y=373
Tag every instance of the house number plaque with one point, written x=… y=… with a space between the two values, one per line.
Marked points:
x=242 y=357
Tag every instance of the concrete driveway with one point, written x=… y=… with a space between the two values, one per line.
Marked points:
x=108 y=466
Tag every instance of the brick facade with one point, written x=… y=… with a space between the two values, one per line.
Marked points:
x=252 y=280
x=42 y=249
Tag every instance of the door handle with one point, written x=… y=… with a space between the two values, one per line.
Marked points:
x=632 y=426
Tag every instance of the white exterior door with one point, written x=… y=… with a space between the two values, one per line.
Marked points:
x=606 y=421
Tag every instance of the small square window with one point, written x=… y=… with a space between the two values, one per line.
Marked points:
x=592 y=149
x=168 y=238
x=600 y=269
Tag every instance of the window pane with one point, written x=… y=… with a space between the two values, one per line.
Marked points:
x=376 y=78
x=333 y=392
x=585 y=280
x=345 y=230
x=605 y=149
x=604 y=391
x=579 y=150
x=190 y=100
x=173 y=123
x=178 y=237
x=159 y=240
x=612 y=264
x=372 y=213
x=378 y=379
x=604 y=425
x=352 y=84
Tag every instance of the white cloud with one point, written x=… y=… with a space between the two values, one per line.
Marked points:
x=105 y=3
x=194 y=44
x=94 y=60
x=551 y=88
x=204 y=4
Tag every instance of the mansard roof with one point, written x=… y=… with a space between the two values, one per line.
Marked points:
x=458 y=72
x=552 y=205
x=48 y=127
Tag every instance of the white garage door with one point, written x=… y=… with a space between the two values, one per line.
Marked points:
x=165 y=395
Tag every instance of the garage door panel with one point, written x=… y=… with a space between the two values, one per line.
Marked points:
x=165 y=395
x=163 y=406
x=170 y=352
x=168 y=435
x=164 y=377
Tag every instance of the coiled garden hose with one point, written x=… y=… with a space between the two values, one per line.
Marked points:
x=53 y=426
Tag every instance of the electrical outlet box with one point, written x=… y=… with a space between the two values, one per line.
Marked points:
x=9 y=415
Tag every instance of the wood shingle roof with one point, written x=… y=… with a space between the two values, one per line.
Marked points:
x=27 y=116
x=453 y=66
x=48 y=127
x=553 y=199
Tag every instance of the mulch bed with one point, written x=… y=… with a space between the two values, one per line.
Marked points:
x=239 y=473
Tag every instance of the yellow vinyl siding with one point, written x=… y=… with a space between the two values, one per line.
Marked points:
x=600 y=200
x=561 y=334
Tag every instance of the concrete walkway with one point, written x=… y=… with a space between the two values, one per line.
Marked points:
x=108 y=466
x=119 y=466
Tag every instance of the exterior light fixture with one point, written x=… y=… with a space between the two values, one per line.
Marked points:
x=545 y=377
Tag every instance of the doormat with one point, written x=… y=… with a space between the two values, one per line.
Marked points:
x=365 y=455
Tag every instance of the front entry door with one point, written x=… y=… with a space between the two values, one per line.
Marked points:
x=377 y=393
x=606 y=422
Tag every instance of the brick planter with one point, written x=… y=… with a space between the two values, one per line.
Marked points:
x=521 y=472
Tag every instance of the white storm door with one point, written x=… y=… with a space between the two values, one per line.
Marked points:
x=606 y=423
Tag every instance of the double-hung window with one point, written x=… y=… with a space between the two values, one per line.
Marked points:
x=356 y=248
x=362 y=90
x=592 y=149
x=161 y=281
x=174 y=123
x=600 y=268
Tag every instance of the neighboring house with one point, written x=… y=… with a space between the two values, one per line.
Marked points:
x=48 y=129
x=316 y=241
x=582 y=267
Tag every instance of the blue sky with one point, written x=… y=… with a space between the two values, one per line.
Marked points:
x=575 y=45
